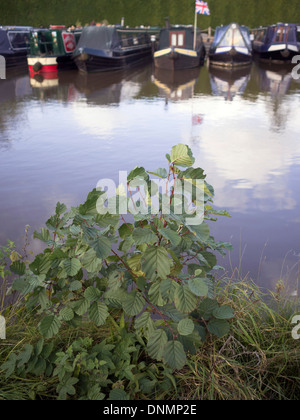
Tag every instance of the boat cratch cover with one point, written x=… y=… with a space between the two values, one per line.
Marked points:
x=97 y=38
x=231 y=36
x=13 y=40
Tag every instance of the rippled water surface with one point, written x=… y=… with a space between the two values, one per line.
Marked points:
x=59 y=137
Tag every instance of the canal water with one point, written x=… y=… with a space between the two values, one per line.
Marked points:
x=59 y=137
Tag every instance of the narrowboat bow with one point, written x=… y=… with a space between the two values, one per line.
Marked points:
x=51 y=50
x=231 y=46
x=279 y=43
x=176 y=49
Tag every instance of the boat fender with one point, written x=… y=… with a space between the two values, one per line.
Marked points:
x=37 y=67
x=285 y=53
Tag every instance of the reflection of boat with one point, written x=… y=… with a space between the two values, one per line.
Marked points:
x=14 y=45
x=178 y=85
x=51 y=50
x=111 y=88
x=277 y=42
x=229 y=82
x=274 y=79
x=16 y=86
x=176 y=48
x=231 y=46
x=103 y=48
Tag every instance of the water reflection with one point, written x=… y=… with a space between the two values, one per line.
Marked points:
x=229 y=82
x=59 y=137
x=176 y=86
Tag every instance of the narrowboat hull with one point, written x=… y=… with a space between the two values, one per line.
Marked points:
x=178 y=59
x=16 y=59
x=44 y=65
x=92 y=61
x=276 y=53
x=232 y=58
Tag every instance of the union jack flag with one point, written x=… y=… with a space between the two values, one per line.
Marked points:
x=202 y=8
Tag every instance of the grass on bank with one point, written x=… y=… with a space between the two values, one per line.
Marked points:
x=258 y=360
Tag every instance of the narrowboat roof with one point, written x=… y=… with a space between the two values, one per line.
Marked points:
x=222 y=32
x=98 y=38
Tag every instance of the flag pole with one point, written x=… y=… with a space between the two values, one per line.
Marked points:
x=195 y=29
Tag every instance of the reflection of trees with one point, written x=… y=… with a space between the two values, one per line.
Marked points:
x=12 y=91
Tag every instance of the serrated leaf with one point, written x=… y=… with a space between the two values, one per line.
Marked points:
x=198 y=286
x=90 y=261
x=181 y=155
x=155 y=295
x=25 y=355
x=67 y=314
x=18 y=267
x=75 y=285
x=81 y=307
x=185 y=326
x=134 y=303
x=10 y=365
x=49 y=326
x=156 y=263
x=185 y=300
x=118 y=395
x=218 y=327
x=156 y=343
x=71 y=266
x=102 y=246
x=223 y=312
x=91 y=293
x=206 y=308
x=144 y=236
x=170 y=235
x=174 y=355
x=98 y=313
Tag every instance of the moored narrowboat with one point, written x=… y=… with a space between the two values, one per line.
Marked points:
x=51 y=50
x=106 y=48
x=14 y=45
x=279 y=43
x=231 y=46
x=179 y=48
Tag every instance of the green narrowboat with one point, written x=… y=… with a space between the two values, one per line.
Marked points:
x=51 y=50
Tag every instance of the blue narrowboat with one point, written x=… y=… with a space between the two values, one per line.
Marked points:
x=231 y=46
x=279 y=43
x=14 y=45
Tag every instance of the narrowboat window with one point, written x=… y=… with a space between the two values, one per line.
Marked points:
x=298 y=34
x=290 y=34
x=19 y=40
x=177 y=39
x=228 y=38
x=180 y=40
x=280 y=34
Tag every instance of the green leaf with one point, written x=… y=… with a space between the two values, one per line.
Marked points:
x=118 y=395
x=156 y=263
x=10 y=365
x=157 y=341
x=181 y=155
x=223 y=312
x=66 y=314
x=98 y=313
x=25 y=355
x=90 y=261
x=134 y=303
x=91 y=293
x=201 y=232
x=185 y=300
x=160 y=172
x=218 y=327
x=81 y=307
x=60 y=209
x=75 y=285
x=185 y=326
x=67 y=388
x=174 y=355
x=198 y=286
x=102 y=246
x=143 y=236
x=155 y=295
x=206 y=308
x=18 y=267
x=170 y=235
x=49 y=326
x=71 y=266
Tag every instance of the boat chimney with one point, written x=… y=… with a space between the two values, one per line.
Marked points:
x=167 y=22
x=122 y=21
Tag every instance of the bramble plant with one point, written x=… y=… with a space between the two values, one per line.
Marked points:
x=150 y=277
